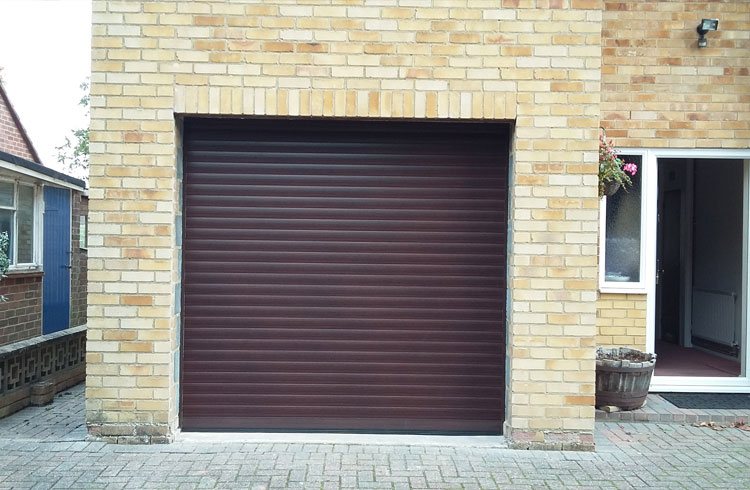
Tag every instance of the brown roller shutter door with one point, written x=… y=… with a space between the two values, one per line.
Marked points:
x=344 y=275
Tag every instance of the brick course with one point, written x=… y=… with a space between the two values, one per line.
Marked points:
x=621 y=320
x=12 y=139
x=660 y=90
x=79 y=259
x=21 y=314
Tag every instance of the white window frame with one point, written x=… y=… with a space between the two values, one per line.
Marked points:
x=634 y=287
x=37 y=228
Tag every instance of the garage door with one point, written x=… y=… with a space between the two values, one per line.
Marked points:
x=344 y=275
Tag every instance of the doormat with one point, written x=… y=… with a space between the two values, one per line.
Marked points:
x=708 y=401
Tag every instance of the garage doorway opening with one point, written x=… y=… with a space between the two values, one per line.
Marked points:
x=700 y=328
x=344 y=275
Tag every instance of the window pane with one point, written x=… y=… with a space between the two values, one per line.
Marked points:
x=6 y=225
x=6 y=194
x=82 y=235
x=25 y=217
x=623 y=231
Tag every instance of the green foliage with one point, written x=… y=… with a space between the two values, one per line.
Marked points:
x=74 y=153
x=4 y=259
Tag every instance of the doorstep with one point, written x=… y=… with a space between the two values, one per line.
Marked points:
x=657 y=409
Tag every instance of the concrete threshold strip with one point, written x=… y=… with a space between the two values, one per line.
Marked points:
x=347 y=438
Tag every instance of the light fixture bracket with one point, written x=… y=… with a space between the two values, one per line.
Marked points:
x=705 y=26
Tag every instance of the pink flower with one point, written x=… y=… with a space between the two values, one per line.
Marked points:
x=630 y=168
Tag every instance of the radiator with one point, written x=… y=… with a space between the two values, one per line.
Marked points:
x=713 y=315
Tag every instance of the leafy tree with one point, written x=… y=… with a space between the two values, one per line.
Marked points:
x=73 y=155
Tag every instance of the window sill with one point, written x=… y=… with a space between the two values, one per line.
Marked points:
x=31 y=271
x=607 y=289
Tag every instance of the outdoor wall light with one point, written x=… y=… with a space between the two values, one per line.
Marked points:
x=705 y=26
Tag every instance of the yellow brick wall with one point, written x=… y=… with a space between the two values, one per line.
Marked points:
x=621 y=320
x=660 y=90
x=536 y=63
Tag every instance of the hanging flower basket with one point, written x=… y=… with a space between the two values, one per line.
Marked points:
x=623 y=376
x=613 y=172
x=611 y=188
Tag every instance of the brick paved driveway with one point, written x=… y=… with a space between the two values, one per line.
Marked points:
x=46 y=448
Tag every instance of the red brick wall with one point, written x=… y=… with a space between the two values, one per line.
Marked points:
x=21 y=314
x=11 y=138
x=79 y=263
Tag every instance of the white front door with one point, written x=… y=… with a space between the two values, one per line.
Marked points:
x=696 y=208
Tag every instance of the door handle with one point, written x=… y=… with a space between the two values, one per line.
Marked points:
x=68 y=266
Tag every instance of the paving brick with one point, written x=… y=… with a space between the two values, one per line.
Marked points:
x=46 y=447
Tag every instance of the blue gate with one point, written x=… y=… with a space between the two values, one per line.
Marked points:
x=56 y=296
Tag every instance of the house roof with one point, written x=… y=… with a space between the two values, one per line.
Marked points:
x=38 y=171
x=19 y=126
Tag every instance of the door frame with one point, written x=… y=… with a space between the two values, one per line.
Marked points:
x=682 y=310
x=740 y=384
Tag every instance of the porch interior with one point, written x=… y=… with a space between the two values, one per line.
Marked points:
x=674 y=360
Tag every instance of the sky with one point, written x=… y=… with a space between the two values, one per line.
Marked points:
x=45 y=53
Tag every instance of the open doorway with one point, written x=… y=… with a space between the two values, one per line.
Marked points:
x=699 y=266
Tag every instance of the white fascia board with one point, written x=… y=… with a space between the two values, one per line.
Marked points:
x=38 y=176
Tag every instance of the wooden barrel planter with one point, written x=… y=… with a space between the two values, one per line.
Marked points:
x=623 y=376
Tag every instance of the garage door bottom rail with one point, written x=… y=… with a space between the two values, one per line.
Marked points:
x=363 y=426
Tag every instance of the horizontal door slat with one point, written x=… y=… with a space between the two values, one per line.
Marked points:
x=269 y=363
